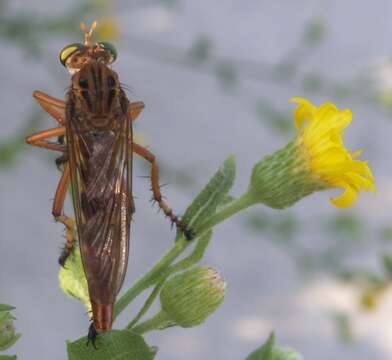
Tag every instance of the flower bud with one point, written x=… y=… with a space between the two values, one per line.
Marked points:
x=190 y=297
x=8 y=336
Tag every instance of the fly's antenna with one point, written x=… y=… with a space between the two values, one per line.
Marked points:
x=88 y=34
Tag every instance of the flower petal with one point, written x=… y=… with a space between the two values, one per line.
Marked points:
x=328 y=159
x=304 y=111
x=346 y=199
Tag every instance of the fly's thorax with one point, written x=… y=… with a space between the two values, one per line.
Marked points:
x=98 y=100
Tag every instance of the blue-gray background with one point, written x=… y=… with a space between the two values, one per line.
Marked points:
x=216 y=78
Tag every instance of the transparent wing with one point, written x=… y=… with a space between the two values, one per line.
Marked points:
x=101 y=164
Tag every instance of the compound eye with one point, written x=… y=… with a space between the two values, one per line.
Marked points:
x=110 y=48
x=70 y=50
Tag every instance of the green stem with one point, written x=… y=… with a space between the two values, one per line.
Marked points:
x=228 y=211
x=147 y=304
x=158 y=321
x=196 y=255
x=151 y=277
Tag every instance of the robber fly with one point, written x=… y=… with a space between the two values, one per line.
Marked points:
x=95 y=123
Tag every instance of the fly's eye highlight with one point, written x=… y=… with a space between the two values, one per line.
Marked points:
x=70 y=50
x=110 y=48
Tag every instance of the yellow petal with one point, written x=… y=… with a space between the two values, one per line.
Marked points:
x=346 y=199
x=304 y=111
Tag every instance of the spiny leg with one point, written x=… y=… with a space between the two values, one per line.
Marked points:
x=38 y=139
x=54 y=107
x=157 y=196
x=57 y=211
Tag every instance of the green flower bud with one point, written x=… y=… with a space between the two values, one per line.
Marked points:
x=8 y=336
x=190 y=297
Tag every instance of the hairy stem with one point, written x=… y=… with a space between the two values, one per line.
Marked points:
x=151 y=277
x=228 y=211
x=147 y=304
x=158 y=321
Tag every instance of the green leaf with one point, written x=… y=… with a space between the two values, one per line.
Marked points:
x=280 y=121
x=226 y=74
x=343 y=327
x=11 y=342
x=5 y=307
x=268 y=351
x=113 y=345
x=314 y=31
x=347 y=225
x=7 y=357
x=264 y=352
x=214 y=194
x=72 y=278
x=8 y=336
x=201 y=49
x=286 y=226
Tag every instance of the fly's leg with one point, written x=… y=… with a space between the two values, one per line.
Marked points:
x=54 y=107
x=135 y=108
x=157 y=196
x=92 y=336
x=61 y=160
x=57 y=211
x=39 y=139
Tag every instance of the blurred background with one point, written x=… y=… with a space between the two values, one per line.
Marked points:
x=216 y=78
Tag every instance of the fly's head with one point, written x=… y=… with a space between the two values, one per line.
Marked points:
x=76 y=55
x=95 y=85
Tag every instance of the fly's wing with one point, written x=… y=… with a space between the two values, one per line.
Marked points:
x=101 y=165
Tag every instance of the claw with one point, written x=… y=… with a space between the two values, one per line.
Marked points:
x=92 y=336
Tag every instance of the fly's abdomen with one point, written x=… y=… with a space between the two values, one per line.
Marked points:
x=102 y=316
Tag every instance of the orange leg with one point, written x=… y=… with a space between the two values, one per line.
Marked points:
x=58 y=203
x=157 y=196
x=57 y=211
x=38 y=139
x=54 y=107
x=135 y=109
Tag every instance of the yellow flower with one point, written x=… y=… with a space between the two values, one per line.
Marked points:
x=314 y=160
x=321 y=136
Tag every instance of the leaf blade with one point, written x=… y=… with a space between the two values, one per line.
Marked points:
x=113 y=345
x=212 y=195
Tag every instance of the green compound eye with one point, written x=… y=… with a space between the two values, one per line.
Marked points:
x=110 y=47
x=70 y=50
